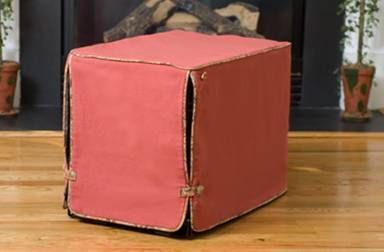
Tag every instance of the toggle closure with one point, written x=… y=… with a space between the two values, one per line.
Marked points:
x=69 y=175
x=189 y=191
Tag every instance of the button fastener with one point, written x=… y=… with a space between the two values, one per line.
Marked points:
x=204 y=76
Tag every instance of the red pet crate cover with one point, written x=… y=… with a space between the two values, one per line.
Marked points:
x=130 y=157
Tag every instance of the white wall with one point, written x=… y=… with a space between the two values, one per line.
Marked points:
x=376 y=53
x=12 y=45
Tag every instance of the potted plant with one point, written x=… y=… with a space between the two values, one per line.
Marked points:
x=357 y=77
x=8 y=69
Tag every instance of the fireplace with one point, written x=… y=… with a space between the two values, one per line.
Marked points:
x=49 y=29
x=279 y=20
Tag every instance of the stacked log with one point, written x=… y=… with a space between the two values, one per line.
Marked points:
x=161 y=15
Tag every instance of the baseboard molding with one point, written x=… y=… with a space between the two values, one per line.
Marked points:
x=330 y=134
x=31 y=133
x=292 y=134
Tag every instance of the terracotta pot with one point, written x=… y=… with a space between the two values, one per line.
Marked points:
x=8 y=80
x=357 y=83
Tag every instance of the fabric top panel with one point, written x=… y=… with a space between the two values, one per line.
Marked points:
x=182 y=49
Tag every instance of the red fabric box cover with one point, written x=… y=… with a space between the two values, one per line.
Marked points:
x=137 y=159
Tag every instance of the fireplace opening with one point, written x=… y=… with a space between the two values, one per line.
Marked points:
x=283 y=20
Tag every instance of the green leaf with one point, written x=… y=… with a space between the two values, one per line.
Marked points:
x=12 y=80
x=364 y=89
x=9 y=100
x=351 y=74
x=361 y=107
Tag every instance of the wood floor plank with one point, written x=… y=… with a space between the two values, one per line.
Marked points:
x=335 y=202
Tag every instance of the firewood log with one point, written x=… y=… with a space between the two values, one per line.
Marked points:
x=187 y=22
x=148 y=14
x=152 y=13
x=183 y=20
x=248 y=15
x=220 y=24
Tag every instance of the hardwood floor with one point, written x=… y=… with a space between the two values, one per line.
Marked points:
x=335 y=201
